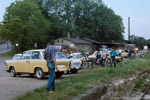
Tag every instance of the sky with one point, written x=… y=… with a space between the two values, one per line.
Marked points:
x=137 y=10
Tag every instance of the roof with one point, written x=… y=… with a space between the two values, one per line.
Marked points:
x=77 y=41
x=90 y=40
x=76 y=53
x=35 y=50
x=115 y=43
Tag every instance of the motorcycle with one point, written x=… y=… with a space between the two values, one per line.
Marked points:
x=87 y=63
x=103 y=60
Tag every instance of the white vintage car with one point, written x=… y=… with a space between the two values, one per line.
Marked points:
x=75 y=59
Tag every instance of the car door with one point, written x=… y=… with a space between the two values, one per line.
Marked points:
x=24 y=63
x=37 y=61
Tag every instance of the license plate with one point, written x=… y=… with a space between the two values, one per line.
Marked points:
x=61 y=66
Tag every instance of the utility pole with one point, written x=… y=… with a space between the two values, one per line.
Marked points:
x=129 y=28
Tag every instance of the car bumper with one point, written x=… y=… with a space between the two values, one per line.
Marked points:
x=75 y=67
x=6 y=68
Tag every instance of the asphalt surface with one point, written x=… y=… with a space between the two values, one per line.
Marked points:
x=4 y=48
x=12 y=87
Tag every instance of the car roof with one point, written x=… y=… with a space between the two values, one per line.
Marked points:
x=19 y=54
x=41 y=50
x=76 y=53
x=36 y=50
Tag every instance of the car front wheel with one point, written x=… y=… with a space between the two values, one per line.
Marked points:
x=73 y=71
x=12 y=72
x=39 y=73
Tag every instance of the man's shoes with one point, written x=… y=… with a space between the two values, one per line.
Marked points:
x=49 y=91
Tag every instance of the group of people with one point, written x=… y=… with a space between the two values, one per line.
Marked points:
x=113 y=53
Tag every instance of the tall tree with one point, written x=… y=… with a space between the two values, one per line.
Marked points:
x=24 y=24
x=83 y=18
x=138 y=41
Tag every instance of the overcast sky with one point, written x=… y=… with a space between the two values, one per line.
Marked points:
x=137 y=10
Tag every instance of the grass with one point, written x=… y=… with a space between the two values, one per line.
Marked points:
x=141 y=85
x=145 y=56
x=80 y=83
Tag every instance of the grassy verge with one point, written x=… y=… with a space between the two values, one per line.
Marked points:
x=146 y=56
x=80 y=83
x=7 y=54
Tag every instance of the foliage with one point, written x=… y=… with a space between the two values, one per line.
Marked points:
x=28 y=21
x=24 y=24
x=83 y=18
x=138 y=41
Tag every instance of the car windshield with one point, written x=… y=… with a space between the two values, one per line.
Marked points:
x=79 y=56
x=16 y=57
x=67 y=56
x=60 y=56
x=26 y=55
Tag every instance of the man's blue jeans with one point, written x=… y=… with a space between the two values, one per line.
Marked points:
x=113 y=60
x=51 y=79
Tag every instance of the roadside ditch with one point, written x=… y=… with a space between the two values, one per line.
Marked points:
x=131 y=88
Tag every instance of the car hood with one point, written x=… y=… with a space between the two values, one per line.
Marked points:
x=8 y=61
x=75 y=60
x=63 y=59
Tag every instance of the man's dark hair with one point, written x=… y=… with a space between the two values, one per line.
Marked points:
x=113 y=48
x=51 y=42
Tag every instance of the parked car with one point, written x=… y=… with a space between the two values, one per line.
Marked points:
x=124 y=54
x=33 y=62
x=76 y=61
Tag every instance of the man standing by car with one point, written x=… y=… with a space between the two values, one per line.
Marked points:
x=49 y=56
x=113 y=53
x=98 y=57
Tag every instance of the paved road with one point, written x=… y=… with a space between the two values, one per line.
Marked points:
x=3 y=48
x=12 y=87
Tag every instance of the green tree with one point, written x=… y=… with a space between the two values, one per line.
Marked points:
x=138 y=41
x=83 y=18
x=24 y=24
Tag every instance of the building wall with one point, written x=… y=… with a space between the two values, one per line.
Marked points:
x=84 y=48
x=61 y=41
x=80 y=47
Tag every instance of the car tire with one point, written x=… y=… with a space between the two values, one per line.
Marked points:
x=73 y=71
x=84 y=65
x=13 y=72
x=39 y=73
x=58 y=74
